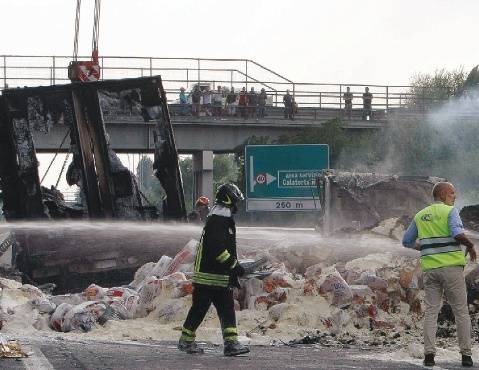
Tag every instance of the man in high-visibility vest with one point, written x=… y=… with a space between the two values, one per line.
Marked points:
x=439 y=233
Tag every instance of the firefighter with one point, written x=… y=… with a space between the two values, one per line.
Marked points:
x=202 y=209
x=216 y=274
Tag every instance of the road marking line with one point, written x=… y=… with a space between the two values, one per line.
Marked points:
x=36 y=361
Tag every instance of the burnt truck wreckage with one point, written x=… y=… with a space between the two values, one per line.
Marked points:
x=352 y=200
x=108 y=190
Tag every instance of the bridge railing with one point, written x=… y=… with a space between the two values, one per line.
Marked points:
x=24 y=70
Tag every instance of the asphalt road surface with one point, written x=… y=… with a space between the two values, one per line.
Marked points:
x=62 y=354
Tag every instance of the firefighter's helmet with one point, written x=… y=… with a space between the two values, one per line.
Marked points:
x=229 y=195
x=202 y=201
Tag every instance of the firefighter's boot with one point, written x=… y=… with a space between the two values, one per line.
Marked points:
x=189 y=347
x=234 y=348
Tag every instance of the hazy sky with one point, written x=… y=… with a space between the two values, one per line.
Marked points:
x=347 y=41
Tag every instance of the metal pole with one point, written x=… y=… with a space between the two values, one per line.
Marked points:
x=327 y=207
x=4 y=71
x=53 y=70
x=387 y=97
x=151 y=67
x=187 y=77
x=199 y=72
x=246 y=74
x=231 y=79
x=320 y=98
x=340 y=97
x=294 y=100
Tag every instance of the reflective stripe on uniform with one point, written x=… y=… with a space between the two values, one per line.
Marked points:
x=199 y=253
x=204 y=278
x=230 y=330
x=223 y=257
x=187 y=335
x=233 y=265
x=445 y=241
x=230 y=334
x=438 y=250
x=446 y=259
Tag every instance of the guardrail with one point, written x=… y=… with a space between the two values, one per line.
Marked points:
x=25 y=70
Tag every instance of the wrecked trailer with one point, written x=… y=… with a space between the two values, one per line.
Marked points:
x=351 y=200
x=107 y=189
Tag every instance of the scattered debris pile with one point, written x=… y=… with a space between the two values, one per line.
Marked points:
x=373 y=300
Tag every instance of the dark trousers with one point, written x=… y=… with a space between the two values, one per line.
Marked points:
x=223 y=301
x=367 y=112
x=288 y=111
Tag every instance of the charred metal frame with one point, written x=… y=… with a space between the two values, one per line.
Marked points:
x=23 y=110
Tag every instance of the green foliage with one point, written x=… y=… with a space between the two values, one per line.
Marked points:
x=186 y=168
x=429 y=90
x=148 y=183
x=225 y=169
x=331 y=133
x=144 y=172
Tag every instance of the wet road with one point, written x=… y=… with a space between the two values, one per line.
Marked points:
x=61 y=354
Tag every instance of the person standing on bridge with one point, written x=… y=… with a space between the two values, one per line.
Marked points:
x=367 y=105
x=252 y=103
x=231 y=102
x=242 y=102
x=216 y=272
x=196 y=100
x=348 y=102
x=183 y=102
x=262 y=97
x=440 y=232
x=288 y=105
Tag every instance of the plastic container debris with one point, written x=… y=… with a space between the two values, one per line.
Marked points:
x=185 y=256
x=361 y=293
x=83 y=316
x=123 y=301
x=32 y=292
x=313 y=272
x=44 y=305
x=161 y=267
x=372 y=281
x=279 y=278
x=57 y=319
x=94 y=292
x=334 y=284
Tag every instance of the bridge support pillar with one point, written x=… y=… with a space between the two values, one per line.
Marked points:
x=203 y=175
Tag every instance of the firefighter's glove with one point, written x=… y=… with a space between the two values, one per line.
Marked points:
x=238 y=270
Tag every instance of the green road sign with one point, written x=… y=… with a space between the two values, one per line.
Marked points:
x=283 y=177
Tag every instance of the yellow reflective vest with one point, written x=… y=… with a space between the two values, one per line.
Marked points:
x=438 y=247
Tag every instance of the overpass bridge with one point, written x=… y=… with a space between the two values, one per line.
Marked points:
x=202 y=136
